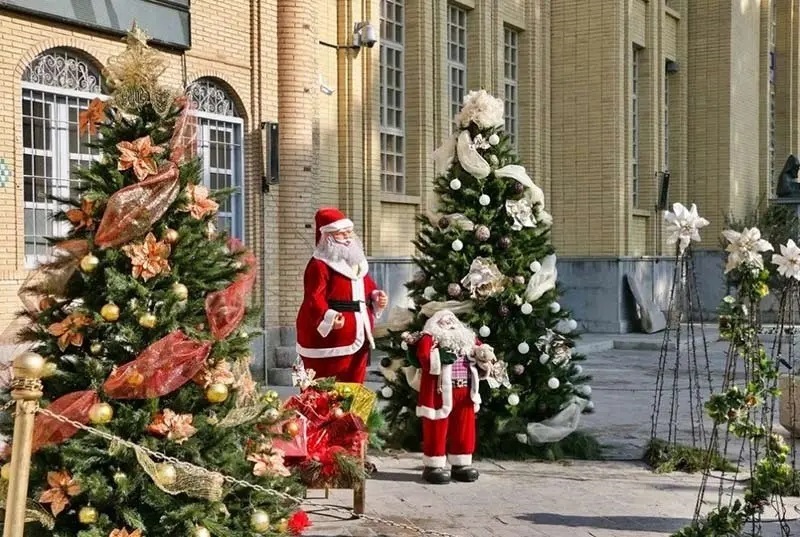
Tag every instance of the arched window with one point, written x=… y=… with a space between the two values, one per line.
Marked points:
x=220 y=147
x=56 y=86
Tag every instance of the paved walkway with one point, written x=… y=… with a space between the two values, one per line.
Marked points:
x=616 y=497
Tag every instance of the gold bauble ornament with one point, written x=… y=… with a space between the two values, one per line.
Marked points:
x=272 y=415
x=270 y=395
x=49 y=369
x=259 y=521
x=89 y=263
x=347 y=391
x=110 y=312
x=87 y=515
x=5 y=471
x=216 y=392
x=166 y=474
x=180 y=291
x=200 y=531
x=120 y=478
x=101 y=413
x=338 y=412
x=292 y=428
x=148 y=320
x=46 y=303
x=170 y=236
x=96 y=347
x=282 y=526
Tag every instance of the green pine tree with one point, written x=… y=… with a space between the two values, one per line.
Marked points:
x=477 y=230
x=108 y=313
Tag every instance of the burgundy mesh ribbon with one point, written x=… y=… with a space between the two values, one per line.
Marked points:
x=161 y=368
x=132 y=211
x=183 y=145
x=75 y=406
x=225 y=309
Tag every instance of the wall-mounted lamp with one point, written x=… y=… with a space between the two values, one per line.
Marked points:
x=271 y=167
x=672 y=67
x=364 y=35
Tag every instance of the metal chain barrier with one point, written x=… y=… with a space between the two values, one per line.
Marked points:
x=233 y=480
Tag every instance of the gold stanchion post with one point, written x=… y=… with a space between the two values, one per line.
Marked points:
x=26 y=390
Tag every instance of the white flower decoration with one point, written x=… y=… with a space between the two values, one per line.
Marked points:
x=479 y=142
x=684 y=225
x=482 y=109
x=788 y=261
x=745 y=248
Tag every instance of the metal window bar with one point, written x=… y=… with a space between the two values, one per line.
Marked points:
x=392 y=97
x=456 y=58
x=510 y=79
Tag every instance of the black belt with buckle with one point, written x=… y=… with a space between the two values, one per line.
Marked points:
x=460 y=383
x=344 y=305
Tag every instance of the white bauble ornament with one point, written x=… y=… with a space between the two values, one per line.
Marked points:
x=553 y=383
x=585 y=390
x=494 y=139
x=523 y=348
x=535 y=266
x=387 y=392
x=455 y=184
x=544 y=358
x=578 y=369
x=513 y=399
x=484 y=200
x=493 y=160
x=555 y=307
x=572 y=324
x=590 y=406
x=484 y=331
x=526 y=309
x=200 y=531
x=457 y=245
x=429 y=293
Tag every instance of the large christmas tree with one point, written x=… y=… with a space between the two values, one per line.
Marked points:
x=489 y=259
x=142 y=320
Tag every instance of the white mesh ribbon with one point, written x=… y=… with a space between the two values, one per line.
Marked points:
x=469 y=158
x=556 y=428
x=543 y=280
x=413 y=376
x=443 y=156
x=455 y=306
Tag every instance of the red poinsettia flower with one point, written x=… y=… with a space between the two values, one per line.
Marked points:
x=298 y=522
x=89 y=118
x=82 y=218
x=62 y=487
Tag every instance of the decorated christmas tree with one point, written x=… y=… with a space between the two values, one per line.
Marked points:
x=142 y=319
x=488 y=258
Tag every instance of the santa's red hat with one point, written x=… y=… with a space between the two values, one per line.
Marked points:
x=330 y=220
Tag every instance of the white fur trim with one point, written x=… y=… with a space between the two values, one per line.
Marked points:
x=474 y=393
x=338 y=225
x=460 y=460
x=436 y=363
x=363 y=331
x=434 y=462
x=326 y=325
x=446 y=382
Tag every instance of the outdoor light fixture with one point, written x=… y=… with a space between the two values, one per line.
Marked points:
x=364 y=35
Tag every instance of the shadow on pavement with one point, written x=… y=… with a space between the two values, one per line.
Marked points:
x=648 y=523
x=396 y=477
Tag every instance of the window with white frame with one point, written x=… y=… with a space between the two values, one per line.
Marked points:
x=456 y=57
x=56 y=86
x=510 y=80
x=635 y=60
x=220 y=148
x=392 y=100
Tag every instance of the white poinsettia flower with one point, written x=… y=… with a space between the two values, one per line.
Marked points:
x=684 y=225
x=745 y=248
x=788 y=261
x=481 y=108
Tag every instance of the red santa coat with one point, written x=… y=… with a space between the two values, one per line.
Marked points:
x=435 y=399
x=326 y=281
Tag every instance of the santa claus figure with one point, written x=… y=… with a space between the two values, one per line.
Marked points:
x=340 y=303
x=448 y=354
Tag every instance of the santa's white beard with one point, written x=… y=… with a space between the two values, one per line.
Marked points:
x=459 y=339
x=351 y=253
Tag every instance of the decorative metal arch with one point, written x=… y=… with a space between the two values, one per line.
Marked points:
x=211 y=97
x=64 y=69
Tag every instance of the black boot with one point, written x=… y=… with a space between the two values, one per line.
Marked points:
x=436 y=476
x=466 y=474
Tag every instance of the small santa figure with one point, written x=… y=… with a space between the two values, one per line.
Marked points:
x=340 y=303
x=448 y=354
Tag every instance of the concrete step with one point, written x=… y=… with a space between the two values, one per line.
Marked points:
x=285 y=356
x=279 y=376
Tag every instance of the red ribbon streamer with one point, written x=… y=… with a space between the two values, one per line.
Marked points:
x=76 y=406
x=225 y=309
x=161 y=368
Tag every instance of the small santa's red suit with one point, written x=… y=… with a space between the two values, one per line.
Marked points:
x=447 y=402
x=331 y=288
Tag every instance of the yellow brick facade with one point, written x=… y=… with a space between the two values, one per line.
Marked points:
x=575 y=126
